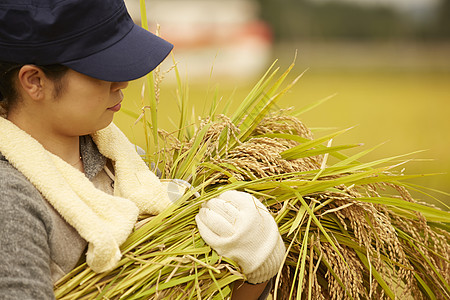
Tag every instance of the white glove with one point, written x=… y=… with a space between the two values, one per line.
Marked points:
x=238 y=226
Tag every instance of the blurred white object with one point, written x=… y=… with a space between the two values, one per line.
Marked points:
x=227 y=36
x=176 y=188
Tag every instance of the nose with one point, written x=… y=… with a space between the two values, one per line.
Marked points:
x=116 y=86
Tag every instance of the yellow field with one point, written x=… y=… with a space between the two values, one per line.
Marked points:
x=407 y=111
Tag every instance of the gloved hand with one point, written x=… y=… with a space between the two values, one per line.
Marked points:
x=238 y=226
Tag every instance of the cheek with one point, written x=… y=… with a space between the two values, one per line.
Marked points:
x=87 y=101
x=83 y=107
x=84 y=117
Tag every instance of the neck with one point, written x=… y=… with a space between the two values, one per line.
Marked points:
x=66 y=147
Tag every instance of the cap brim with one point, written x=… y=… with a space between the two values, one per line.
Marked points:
x=136 y=54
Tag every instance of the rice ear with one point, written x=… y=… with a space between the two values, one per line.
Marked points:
x=346 y=222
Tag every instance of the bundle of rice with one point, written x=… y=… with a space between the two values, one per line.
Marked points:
x=352 y=229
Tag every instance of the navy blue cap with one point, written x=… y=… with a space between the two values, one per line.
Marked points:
x=94 y=37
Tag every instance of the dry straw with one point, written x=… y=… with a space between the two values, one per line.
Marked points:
x=352 y=229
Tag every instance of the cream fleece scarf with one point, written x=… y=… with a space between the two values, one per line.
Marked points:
x=103 y=220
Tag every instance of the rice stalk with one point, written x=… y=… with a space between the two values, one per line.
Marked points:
x=352 y=228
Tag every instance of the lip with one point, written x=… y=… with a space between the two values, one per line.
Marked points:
x=116 y=107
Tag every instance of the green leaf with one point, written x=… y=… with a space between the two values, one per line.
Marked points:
x=431 y=265
x=315 y=152
x=376 y=275
x=423 y=284
x=254 y=94
x=300 y=216
x=312 y=106
x=291 y=153
x=194 y=155
x=303 y=256
x=431 y=213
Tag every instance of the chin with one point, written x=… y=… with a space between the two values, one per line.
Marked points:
x=102 y=126
x=99 y=126
x=106 y=125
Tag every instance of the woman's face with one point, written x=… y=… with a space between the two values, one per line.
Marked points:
x=84 y=105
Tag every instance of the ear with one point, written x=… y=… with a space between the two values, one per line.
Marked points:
x=32 y=81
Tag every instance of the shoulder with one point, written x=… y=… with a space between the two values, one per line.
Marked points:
x=25 y=227
x=18 y=197
x=11 y=178
x=12 y=181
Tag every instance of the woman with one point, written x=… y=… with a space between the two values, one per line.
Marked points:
x=71 y=184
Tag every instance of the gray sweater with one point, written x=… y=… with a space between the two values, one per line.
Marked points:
x=37 y=246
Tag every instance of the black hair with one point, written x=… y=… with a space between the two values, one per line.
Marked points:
x=8 y=71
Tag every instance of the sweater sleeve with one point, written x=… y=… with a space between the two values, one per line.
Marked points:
x=25 y=226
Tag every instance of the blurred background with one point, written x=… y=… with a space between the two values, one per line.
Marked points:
x=386 y=63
